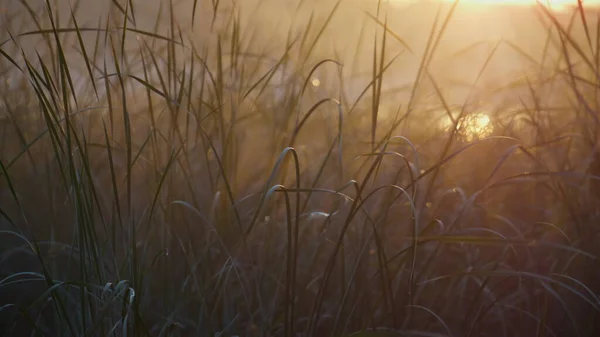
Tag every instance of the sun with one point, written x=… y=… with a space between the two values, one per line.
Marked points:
x=471 y=127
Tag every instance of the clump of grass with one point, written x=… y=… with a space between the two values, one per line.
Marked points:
x=159 y=182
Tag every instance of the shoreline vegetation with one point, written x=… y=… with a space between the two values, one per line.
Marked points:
x=298 y=168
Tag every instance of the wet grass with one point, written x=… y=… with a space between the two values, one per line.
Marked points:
x=153 y=183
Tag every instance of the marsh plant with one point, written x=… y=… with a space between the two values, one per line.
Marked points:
x=242 y=168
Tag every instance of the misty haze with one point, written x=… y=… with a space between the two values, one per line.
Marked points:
x=299 y=168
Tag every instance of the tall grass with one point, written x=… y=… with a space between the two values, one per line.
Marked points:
x=167 y=178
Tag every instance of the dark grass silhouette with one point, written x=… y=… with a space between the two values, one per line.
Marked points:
x=157 y=182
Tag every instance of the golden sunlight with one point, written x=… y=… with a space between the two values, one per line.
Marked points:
x=471 y=127
x=554 y=4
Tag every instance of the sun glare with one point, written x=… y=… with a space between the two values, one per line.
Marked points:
x=471 y=127
x=554 y=4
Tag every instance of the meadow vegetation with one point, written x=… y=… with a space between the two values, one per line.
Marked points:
x=234 y=168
